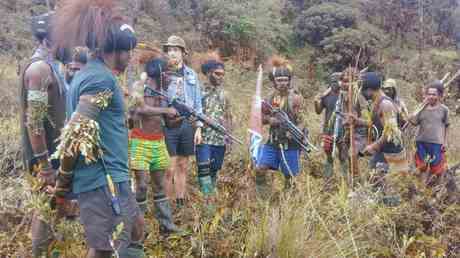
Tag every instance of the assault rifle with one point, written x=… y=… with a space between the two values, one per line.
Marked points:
x=186 y=111
x=298 y=135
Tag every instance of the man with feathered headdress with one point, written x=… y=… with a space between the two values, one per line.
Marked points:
x=93 y=147
x=280 y=152
x=148 y=154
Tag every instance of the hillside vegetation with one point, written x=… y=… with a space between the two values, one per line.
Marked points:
x=411 y=41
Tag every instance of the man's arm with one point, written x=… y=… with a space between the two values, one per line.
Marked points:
x=318 y=101
x=80 y=137
x=446 y=123
x=38 y=78
x=147 y=110
x=197 y=101
x=228 y=115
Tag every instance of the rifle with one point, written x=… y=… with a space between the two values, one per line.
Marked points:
x=186 y=111
x=338 y=123
x=299 y=136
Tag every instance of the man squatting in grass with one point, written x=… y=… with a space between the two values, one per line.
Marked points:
x=216 y=105
x=280 y=152
x=147 y=147
x=181 y=133
x=93 y=147
x=42 y=97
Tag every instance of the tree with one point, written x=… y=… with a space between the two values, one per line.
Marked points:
x=319 y=22
x=341 y=49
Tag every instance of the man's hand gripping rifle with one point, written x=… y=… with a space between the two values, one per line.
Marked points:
x=298 y=135
x=186 y=111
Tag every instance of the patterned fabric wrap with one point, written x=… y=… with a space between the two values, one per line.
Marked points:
x=216 y=106
x=430 y=157
x=147 y=152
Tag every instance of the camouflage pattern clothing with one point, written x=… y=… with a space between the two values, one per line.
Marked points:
x=216 y=106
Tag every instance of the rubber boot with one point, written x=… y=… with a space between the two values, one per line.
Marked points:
x=134 y=250
x=263 y=190
x=328 y=168
x=214 y=180
x=163 y=214
x=205 y=180
x=41 y=237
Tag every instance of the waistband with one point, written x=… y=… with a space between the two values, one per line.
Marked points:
x=137 y=133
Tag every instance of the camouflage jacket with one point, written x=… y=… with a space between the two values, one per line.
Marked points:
x=216 y=106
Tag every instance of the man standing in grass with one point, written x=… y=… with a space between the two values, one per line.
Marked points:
x=280 y=152
x=181 y=134
x=431 y=140
x=326 y=102
x=148 y=154
x=216 y=105
x=93 y=147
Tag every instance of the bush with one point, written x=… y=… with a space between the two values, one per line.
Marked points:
x=320 y=21
x=341 y=49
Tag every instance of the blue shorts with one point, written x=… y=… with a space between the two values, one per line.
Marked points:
x=271 y=157
x=212 y=154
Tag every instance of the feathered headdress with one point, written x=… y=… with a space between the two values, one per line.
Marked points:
x=280 y=67
x=92 y=23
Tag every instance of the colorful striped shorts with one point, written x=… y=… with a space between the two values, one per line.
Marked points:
x=147 y=152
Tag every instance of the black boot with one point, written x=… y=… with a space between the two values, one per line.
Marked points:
x=164 y=216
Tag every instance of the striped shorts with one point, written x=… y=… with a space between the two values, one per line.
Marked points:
x=147 y=152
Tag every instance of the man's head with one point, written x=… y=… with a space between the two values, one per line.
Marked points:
x=371 y=85
x=176 y=49
x=281 y=74
x=78 y=59
x=434 y=92
x=41 y=28
x=214 y=69
x=156 y=70
x=334 y=81
x=348 y=75
x=389 y=88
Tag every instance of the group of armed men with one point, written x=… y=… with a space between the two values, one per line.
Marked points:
x=85 y=142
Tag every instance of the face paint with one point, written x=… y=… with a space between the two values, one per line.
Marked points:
x=282 y=83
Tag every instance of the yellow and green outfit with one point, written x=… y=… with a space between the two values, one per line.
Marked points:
x=147 y=152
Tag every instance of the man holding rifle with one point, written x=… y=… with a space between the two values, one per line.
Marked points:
x=148 y=154
x=281 y=152
x=216 y=105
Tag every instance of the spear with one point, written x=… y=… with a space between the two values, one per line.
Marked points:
x=351 y=93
